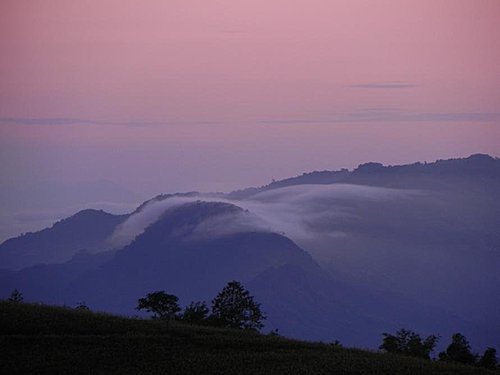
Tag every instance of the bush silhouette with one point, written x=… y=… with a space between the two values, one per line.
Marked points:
x=163 y=306
x=488 y=359
x=458 y=351
x=81 y=306
x=409 y=343
x=16 y=296
x=195 y=313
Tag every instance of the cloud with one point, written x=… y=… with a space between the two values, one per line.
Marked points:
x=219 y=225
x=305 y=213
x=358 y=116
x=68 y=121
x=392 y=115
x=43 y=121
x=139 y=221
x=385 y=85
x=226 y=224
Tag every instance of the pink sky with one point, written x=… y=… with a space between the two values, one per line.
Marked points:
x=179 y=95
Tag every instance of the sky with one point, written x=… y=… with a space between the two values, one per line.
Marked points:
x=179 y=95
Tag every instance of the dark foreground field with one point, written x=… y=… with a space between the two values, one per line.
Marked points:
x=44 y=339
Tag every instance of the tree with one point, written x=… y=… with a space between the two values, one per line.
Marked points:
x=488 y=359
x=81 y=306
x=409 y=343
x=458 y=351
x=195 y=313
x=16 y=296
x=234 y=307
x=163 y=306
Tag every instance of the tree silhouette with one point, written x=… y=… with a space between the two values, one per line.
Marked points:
x=163 y=306
x=458 y=351
x=195 y=313
x=16 y=296
x=409 y=343
x=488 y=359
x=81 y=306
x=234 y=307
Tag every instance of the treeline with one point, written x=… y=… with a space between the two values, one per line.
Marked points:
x=409 y=343
x=234 y=307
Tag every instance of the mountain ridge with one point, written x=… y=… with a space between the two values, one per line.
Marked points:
x=476 y=164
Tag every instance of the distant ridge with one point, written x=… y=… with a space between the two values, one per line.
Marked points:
x=449 y=171
x=85 y=230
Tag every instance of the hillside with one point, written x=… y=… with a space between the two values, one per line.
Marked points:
x=47 y=339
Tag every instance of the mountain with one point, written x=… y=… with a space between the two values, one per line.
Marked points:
x=172 y=253
x=478 y=170
x=330 y=255
x=86 y=230
x=175 y=253
x=34 y=206
x=182 y=254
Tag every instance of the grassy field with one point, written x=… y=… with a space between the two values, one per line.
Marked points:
x=38 y=339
